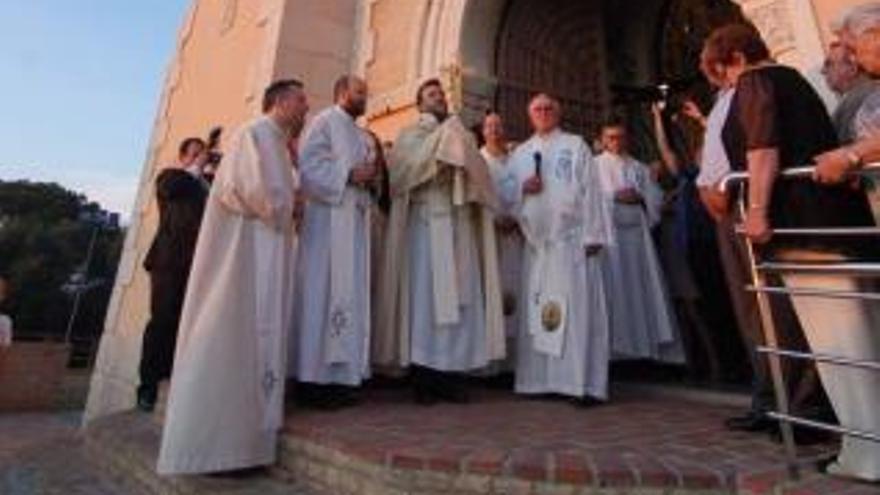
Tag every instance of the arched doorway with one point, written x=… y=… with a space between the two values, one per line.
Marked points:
x=555 y=46
x=600 y=57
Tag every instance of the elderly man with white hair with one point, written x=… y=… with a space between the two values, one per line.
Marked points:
x=859 y=31
x=556 y=197
x=851 y=84
x=855 y=393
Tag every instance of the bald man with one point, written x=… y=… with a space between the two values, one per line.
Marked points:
x=329 y=348
x=564 y=343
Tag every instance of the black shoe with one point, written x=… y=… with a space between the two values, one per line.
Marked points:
x=451 y=388
x=146 y=398
x=424 y=396
x=324 y=397
x=587 y=402
x=455 y=394
x=751 y=422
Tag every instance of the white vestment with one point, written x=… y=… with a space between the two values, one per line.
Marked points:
x=5 y=331
x=440 y=302
x=225 y=403
x=571 y=356
x=331 y=331
x=510 y=248
x=642 y=321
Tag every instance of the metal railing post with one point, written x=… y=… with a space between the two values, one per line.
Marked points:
x=763 y=291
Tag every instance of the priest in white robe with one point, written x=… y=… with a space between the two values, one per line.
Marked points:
x=643 y=325
x=225 y=403
x=563 y=345
x=440 y=308
x=510 y=240
x=330 y=344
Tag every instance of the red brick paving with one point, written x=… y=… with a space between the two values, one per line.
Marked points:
x=632 y=441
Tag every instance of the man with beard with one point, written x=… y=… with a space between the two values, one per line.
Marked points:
x=440 y=297
x=330 y=345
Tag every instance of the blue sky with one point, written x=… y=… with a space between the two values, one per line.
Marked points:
x=79 y=85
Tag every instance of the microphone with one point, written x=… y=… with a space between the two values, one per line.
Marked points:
x=538 y=158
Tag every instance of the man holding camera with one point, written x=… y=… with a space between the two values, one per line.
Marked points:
x=181 y=193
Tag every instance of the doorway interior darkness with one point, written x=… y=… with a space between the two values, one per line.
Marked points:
x=592 y=54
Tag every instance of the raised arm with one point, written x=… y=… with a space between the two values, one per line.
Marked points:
x=667 y=156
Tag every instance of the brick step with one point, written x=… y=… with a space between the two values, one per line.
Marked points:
x=503 y=444
x=125 y=447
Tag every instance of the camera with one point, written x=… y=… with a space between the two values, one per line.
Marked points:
x=670 y=95
x=214 y=156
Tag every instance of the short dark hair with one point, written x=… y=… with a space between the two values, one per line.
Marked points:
x=425 y=85
x=341 y=86
x=278 y=89
x=187 y=143
x=613 y=123
x=727 y=40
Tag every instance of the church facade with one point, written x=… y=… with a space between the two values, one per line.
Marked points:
x=594 y=55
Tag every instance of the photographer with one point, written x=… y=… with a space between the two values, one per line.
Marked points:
x=181 y=191
x=212 y=155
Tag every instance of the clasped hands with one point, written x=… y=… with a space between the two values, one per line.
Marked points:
x=628 y=196
x=363 y=174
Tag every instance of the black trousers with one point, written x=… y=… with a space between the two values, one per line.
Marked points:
x=806 y=393
x=160 y=337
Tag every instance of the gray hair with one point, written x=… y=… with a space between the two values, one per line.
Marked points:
x=856 y=20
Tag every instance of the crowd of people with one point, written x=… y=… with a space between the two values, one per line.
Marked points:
x=325 y=256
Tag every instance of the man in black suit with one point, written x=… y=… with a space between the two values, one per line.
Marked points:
x=181 y=192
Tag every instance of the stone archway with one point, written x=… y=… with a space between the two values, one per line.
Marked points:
x=583 y=51
x=558 y=47
x=458 y=39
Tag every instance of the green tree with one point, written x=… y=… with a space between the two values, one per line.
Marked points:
x=45 y=233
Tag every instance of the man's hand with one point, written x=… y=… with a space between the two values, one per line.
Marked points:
x=692 y=111
x=299 y=209
x=757 y=226
x=593 y=250
x=834 y=166
x=362 y=175
x=628 y=196
x=717 y=203
x=506 y=225
x=534 y=185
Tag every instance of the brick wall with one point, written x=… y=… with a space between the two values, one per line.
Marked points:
x=32 y=375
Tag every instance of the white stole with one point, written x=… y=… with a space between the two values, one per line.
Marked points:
x=548 y=278
x=270 y=278
x=339 y=342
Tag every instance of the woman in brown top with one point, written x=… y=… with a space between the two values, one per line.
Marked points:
x=776 y=122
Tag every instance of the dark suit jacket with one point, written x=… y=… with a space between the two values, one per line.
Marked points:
x=181 y=200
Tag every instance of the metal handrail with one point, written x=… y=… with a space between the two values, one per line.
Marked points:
x=763 y=291
x=819 y=425
x=825 y=293
x=862 y=269
x=821 y=358
x=831 y=231
x=792 y=173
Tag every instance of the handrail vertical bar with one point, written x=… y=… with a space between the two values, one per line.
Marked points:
x=771 y=340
